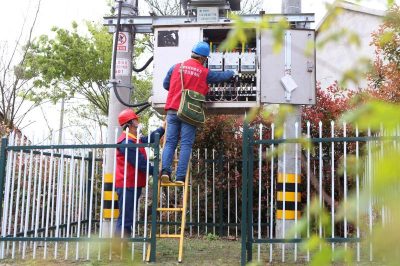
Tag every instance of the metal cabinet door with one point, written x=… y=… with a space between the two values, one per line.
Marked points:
x=172 y=45
x=302 y=67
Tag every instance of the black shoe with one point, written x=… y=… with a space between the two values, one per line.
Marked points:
x=165 y=177
x=180 y=180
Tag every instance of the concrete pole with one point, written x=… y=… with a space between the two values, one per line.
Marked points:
x=288 y=175
x=123 y=78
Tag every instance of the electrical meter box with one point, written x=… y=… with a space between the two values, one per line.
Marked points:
x=262 y=75
x=215 y=61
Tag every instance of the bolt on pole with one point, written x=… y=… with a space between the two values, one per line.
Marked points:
x=122 y=58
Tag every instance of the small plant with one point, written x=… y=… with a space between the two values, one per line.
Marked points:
x=212 y=237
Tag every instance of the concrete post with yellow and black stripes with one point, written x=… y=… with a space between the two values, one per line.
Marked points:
x=110 y=202
x=288 y=185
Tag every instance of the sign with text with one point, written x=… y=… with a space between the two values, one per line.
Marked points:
x=122 y=45
x=122 y=67
x=207 y=14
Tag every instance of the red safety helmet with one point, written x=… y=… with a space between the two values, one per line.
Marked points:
x=126 y=115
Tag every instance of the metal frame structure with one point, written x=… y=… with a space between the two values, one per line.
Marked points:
x=146 y=24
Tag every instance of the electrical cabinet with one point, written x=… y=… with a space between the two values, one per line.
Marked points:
x=262 y=76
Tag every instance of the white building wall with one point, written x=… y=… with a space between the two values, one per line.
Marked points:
x=337 y=57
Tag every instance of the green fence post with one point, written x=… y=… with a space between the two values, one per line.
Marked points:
x=244 y=194
x=90 y=165
x=250 y=196
x=154 y=199
x=3 y=158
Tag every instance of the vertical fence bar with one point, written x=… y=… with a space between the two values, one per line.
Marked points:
x=198 y=193
x=146 y=197
x=229 y=198
x=205 y=189
x=284 y=194
x=271 y=214
x=320 y=178
x=345 y=182
x=14 y=167
x=60 y=182
x=236 y=198
x=34 y=195
x=28 y=201
x=168 y=213
x=134 y=218
x=17 y=198
x=55 y=172
x=101 y=203
x=357 y=195
x=70 y=191
x=124 y=189
x=113 y=193
x=3 y=159
x=370 y=193
x=308 y=186
x=92 y=159
x=175 y=213
x=65 y=207
x=244 y=195
x=333 y=187
x=46 y=233
x=259 y=193
x=38 y=203
x=213 y=189
x=250 y=195
x=297 y=180
x=45 y=171
x=24 y=202
x=220 y=194
x=80 y=199
x=154 y=196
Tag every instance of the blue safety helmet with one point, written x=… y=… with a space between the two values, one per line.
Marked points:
x=201 y=48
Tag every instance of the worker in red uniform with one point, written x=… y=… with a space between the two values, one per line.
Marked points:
x=195 y=77
x=129 y=120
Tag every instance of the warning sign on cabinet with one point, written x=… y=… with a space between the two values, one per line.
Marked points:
x=122 y=45
x=122 y=67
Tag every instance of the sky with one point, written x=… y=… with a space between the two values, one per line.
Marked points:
x=62 y=12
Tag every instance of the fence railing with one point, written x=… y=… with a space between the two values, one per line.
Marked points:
x=53 y=196
x=335 y=163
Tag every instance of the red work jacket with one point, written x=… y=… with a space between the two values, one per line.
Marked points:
x=130 y=169
x=194 y=78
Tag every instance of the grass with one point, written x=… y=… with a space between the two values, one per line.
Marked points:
x=208 y=250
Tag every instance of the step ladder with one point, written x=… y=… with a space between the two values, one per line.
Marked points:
x=181 y=210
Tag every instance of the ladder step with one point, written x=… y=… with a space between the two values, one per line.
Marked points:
x=168 y=236
x=170 y=209
x=171 y=184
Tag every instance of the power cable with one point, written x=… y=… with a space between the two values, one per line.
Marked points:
x=113 y=81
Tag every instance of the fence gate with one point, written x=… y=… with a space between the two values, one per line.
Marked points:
x=335 y=162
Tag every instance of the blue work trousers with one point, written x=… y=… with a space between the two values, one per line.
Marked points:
x=129 y=204
x=177 y=129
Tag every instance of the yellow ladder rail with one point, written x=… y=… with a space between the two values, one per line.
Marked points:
x=182 y=210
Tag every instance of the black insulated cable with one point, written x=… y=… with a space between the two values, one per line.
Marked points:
x=137 y=70
x=141 y=109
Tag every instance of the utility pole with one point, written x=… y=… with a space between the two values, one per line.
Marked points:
x=289 y=168
x=123 y=78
